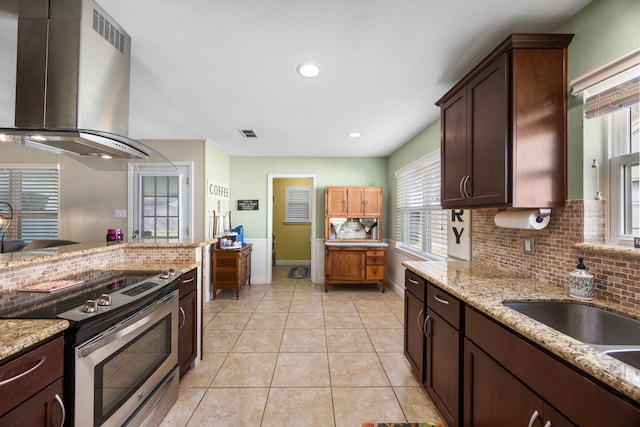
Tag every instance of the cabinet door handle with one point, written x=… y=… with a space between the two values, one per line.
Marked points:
x=415 y=282
x=184 y=318
x=466 y=194
x=27 y=372
x=460 y=186
x=426 y=326
x=188 y=280
x=547 y=424
x=64 y=413
x=420 y=321
x=533 y=418
x=440 y=300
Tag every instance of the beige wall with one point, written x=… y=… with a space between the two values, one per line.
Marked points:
x=88 y=198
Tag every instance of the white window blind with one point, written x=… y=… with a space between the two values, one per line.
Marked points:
x=613 y=105
x=32 y=191
x=297 y=204
x=421 y=224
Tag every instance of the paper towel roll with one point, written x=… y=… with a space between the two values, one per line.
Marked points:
x=525 y=219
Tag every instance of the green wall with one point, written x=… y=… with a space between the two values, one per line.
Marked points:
x=604 y=30
x=422 y=144
x=249 y=180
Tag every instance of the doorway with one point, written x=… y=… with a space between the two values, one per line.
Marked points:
x=290 y=237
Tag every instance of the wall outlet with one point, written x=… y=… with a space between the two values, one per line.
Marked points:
x=636 y=242
x=528 y=245
x=120 y=213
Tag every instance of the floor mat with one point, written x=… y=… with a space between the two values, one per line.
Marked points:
x=298 y=273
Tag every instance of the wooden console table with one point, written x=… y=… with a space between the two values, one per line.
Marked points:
x=231 y=268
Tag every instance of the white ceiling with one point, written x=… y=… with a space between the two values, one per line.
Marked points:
x=206 y=68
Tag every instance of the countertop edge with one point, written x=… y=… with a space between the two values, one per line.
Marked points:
x=17 y=335
x=466 y=285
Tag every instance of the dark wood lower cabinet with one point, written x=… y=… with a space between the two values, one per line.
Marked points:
x=579 y=398
x=43 y=409
x=495 y=398
x=31 y=387
x=442 y=373
x=187 y=321
x=413 y=336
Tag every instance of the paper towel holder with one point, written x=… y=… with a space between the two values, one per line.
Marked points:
x=542 y=217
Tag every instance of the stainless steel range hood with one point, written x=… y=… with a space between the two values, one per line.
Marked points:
x=72 y=84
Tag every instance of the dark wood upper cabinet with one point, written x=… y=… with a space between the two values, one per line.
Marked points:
x=504 y=127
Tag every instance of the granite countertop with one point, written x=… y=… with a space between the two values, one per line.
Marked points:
x=19 y=334
x=485 y=288
x=17 y=259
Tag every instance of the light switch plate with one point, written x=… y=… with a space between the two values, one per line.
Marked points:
x=120 y=213
x=528 y=245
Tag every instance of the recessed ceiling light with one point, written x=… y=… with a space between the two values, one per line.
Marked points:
x=354 y=135
x=308 y=70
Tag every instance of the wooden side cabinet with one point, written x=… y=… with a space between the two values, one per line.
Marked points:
x=231 y=268
x=187 y=320
x=353 y=202
x=354 y=264
x=31 y=387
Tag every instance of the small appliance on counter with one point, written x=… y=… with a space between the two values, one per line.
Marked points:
x=239 y=238
x=114 y=235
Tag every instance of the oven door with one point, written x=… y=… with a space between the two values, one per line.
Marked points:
x=117 y=370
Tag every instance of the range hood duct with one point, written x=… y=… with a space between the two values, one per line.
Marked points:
x=72 y=84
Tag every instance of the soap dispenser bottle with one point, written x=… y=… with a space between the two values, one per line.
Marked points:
x=581 y=282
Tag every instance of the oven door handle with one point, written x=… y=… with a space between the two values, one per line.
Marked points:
x=131 y=325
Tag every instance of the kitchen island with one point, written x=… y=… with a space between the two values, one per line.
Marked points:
x=483 y=289
x=21 y=269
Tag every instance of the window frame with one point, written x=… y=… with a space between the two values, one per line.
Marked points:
x=610 y=105
x=424 y=205
x=185 y=172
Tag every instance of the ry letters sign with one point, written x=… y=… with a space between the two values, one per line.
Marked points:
x=459 y=233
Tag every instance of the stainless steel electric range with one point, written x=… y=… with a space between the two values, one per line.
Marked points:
x=121 y=350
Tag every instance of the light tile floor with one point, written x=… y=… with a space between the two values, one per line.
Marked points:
x=289 y=354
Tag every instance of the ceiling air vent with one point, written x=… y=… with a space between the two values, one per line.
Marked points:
x=248 y=133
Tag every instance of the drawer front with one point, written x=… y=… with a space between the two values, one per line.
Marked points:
x=39 y=368
x=415 y=284
x=375 y=272
x=445 y=304
x=375 y=254
x=188 y=282
x=375 y=260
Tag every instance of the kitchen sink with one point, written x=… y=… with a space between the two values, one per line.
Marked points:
x=630 y=357
x=611 y=333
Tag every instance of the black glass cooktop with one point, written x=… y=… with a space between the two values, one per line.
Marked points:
x=47 y=305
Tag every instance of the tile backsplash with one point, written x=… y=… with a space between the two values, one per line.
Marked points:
x=56 y=268
x=616 y=273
